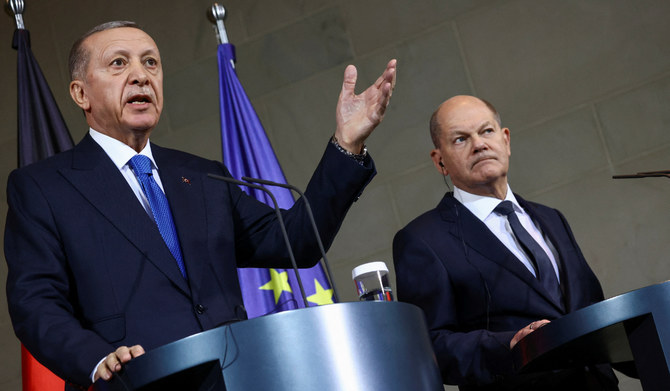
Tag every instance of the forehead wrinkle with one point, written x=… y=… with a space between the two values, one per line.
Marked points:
x=114 y=51
x=123 y=50
x=118 y=41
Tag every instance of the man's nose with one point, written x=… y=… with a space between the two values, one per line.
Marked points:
x=138 y=75
x=478 y=143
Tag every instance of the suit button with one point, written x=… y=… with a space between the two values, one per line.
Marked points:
x=199 y=308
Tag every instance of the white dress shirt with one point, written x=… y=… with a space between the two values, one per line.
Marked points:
x=483 y=207
x=120 y=154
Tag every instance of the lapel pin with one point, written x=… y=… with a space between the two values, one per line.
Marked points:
x=186 y=180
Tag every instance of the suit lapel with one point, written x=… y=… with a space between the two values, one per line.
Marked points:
x=96 y=177
x=477 y=236
x=185 y=193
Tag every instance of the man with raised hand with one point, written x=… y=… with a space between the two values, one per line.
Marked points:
x=119 y=246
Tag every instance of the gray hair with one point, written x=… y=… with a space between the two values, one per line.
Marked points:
x=79 y=56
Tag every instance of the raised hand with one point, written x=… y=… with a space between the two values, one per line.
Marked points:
x=358 y=115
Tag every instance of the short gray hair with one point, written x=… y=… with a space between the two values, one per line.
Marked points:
x=79 y=56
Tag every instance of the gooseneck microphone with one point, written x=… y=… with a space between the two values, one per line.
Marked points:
x=329 y=274
x=648 y=174
x=281 y=224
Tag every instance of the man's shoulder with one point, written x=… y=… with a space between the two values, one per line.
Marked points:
x=46 y=166
x=535 y=207
x=84 y=149
x=175 y=156
x=442 y=213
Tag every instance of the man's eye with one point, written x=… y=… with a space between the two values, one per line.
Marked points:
x=117 y=62
x=152 y=62
x=459 y=140
x=488 y=130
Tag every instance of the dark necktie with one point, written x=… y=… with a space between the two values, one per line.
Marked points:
x=543 y=268
x=160 y=208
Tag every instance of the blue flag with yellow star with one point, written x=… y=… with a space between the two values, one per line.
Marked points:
x=247 y=152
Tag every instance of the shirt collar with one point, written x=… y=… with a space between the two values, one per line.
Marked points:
x=482 y=206
x=119 y=152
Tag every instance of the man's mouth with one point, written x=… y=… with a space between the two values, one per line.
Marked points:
x=481 y=159
x=139 y=99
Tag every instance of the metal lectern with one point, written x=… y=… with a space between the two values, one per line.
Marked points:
x=632 y=329
x=345 y=346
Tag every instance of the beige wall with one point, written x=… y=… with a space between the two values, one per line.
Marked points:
x=583 y=85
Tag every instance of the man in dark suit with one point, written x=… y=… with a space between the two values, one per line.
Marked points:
x=119 y=245
x=469 y=265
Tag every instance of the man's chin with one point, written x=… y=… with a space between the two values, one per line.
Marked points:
x=489 y=174
x=484 y=162
x=140 y=125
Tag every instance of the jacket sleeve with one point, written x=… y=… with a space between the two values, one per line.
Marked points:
x=337 y=182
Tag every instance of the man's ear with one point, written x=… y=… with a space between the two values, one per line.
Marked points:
x=506 y=134
x=78 y=94
x=436 y=156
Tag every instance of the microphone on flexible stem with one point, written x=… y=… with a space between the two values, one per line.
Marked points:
x=281 y=224
x=648 y=174
x=329 y=274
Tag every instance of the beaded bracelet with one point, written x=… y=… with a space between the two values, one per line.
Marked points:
x=358 y=157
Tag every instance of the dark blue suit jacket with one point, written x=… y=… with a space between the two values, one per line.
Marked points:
x=89 y=271
x=475 y=293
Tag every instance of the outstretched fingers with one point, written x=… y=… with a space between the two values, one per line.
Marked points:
x=358 y=115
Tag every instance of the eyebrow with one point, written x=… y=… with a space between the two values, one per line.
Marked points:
x=483 y=125
x=486 y=124
x=125 y=52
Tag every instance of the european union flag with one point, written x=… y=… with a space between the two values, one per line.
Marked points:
x=247 y=152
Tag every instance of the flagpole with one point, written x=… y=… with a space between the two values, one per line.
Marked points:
x=216 y=14
x=38 y=115
x=16 y=7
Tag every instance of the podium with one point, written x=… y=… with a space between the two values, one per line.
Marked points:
x=345 y=346
x=632 y=329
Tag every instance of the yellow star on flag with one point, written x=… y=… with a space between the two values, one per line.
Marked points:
x=322 y=296
x=278 y=283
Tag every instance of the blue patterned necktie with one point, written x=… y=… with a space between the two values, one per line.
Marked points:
x=160 y=208
x=543 y=267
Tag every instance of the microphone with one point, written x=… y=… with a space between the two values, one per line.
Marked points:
x=648 y=174
x=329 y=274
x=281 y=225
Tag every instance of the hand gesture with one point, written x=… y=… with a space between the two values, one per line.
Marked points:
x=358 y=115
